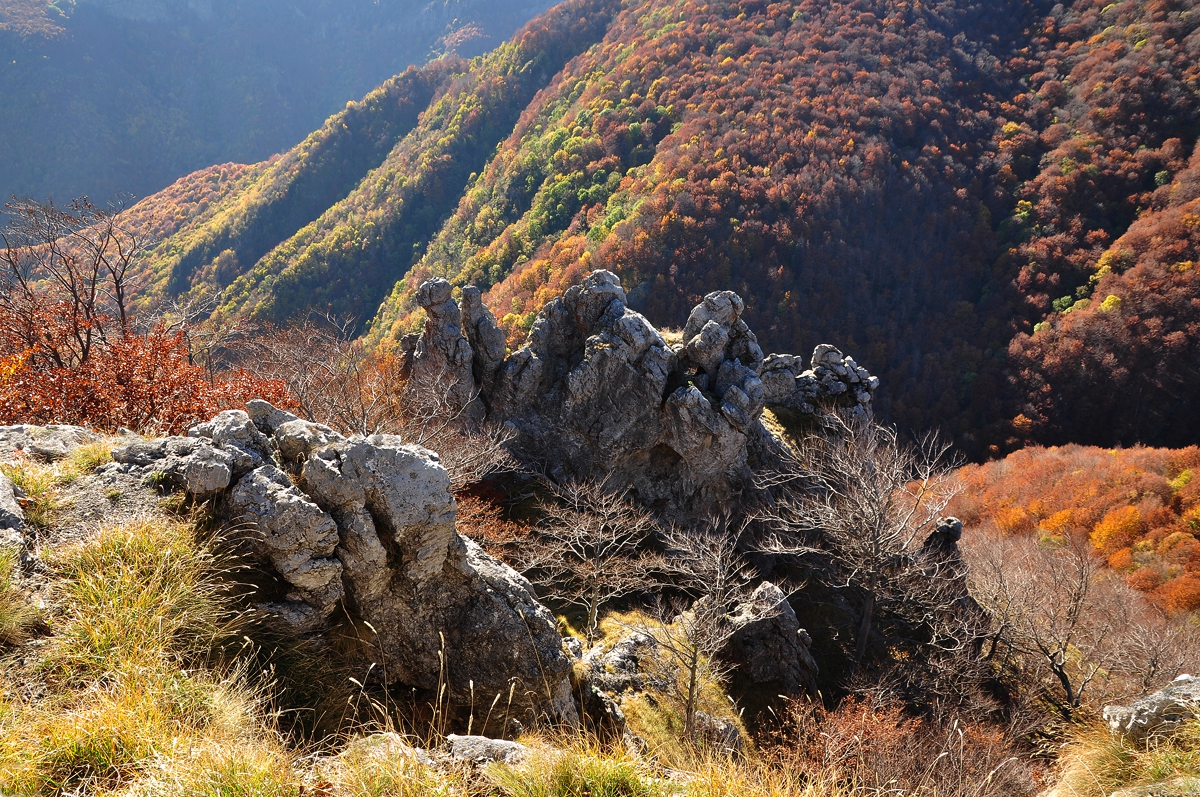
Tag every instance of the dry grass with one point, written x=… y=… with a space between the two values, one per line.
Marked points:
x=372 y=767
x=41 y=481
x=16 y=615
x=40 y=484
x=142 y=596
x=1096 y=763
x=134 y=690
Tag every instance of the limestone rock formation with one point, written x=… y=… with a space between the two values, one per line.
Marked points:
x=296 y=539
x=1158 y=713
x=440 y=360
x=192 y=464
x=767 y=652
x=42 y=443
x=369 y=524
x=12 y=517
x=596 y=388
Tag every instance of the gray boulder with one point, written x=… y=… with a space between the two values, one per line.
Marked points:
x=12 y=517
x=297 y=539
x=233 y=432
x=1158 y=713
x=383 y=747
x=191 y=464
x=767 y=652
x=475 y=751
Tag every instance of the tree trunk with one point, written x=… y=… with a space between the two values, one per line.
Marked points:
x=593 y=617
x=864 y=629
x=690 y=708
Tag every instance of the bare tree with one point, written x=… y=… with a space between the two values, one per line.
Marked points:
x=64 y=278
x=1067 y=625
x=861 y=504
x=589 y=548
x=338 y=382
x=332 y=377
x=705 y=562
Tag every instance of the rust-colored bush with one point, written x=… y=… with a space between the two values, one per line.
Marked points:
x=143 y=382
x=1140 y=507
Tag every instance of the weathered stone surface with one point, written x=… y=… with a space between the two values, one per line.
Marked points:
x=488 y=344
x=479 y=750
x=42 y=443
x=370 y=522
x=442 y=359
x=1158 y=713
x=767 y=652
x=596 y=388
x=12 y=517
x=189 y=463
x=385 y=747
x=617 y=668
x=719 y=734
x=234 y=433
x=297 y=539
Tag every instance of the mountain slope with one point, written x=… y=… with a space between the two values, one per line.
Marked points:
x=918 y=182
x=108 y=96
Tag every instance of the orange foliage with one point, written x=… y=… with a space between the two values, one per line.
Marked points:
x=1119 y=529
x=1182 y=594
x=144 y=382
x=483 y=521
x=1139 y=506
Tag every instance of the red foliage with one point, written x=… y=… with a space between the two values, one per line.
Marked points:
x=1140 y=506
x=143 y=382
x=1121 y=368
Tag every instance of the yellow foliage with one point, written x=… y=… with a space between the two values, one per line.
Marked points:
x=1119 y=529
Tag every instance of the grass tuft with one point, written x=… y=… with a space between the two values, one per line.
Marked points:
x=383 y=766
x=40 y=484
x=578 y=772
x=1097 y=763
x=16 y=614
x=136 y=597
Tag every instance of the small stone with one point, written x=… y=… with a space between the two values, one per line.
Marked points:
x=479 y=750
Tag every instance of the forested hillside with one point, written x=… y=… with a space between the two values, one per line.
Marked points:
x=966 y=194
x=124 y=96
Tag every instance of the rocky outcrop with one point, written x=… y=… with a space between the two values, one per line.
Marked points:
x=368 y=524
x=596 y=388
x=42 y=443
x=12 y=517
x=440 y=361
x=1158 y=713
x=767 y=652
